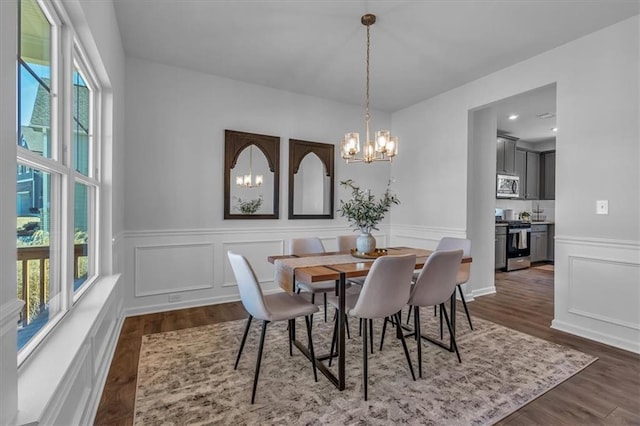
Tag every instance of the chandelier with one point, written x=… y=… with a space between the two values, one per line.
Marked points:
x=384 y=147
x=246 y=181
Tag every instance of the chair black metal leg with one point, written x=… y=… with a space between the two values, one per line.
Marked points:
x=406 y=350
x=416 y=323
x=384 y=329
x=346 y=323
x=451 y=333
x=313 y=355
x=435 y=310
x=325 y=307
x=244 y=339
x=334 y=338
x=464 y=303
x=408 y=315
x=291 y=337
x=371 y=334
x=257 y=373
x=441 y=329
x=416 y=315
x=364 y=358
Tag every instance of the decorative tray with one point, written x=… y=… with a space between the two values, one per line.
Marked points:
x=373 y=255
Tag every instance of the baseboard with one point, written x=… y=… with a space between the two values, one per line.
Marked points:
x=186 y=304
x=606 y=339
x=484 y=291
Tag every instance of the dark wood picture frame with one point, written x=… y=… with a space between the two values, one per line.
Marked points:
x=234 y=143
x=298 y=150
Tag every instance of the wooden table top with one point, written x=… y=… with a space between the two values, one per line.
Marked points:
x=357 y=268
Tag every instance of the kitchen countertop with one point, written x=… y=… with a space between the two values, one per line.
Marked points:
x=545 y=222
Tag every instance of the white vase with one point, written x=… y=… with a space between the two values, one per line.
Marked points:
x=365 y=243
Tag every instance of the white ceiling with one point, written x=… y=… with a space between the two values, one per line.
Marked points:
x=529 y=106
x=317 y=47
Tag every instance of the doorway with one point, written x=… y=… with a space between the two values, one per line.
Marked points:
x=528 y=122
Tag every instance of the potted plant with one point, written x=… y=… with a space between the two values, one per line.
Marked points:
x=364 y=212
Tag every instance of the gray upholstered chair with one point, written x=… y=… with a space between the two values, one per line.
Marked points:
x=450 y=243
x=434 y=286
x=270 y=308
x=464 y=244
x=385 y=292
x=298 y=246
x=346 y=243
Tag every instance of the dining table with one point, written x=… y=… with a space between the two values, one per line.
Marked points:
x=339 y=267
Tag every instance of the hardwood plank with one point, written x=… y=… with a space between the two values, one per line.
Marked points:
x=606 y=392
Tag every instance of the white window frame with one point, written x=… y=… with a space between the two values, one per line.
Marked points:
x=66 y=51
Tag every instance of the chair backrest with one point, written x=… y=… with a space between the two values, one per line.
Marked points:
x=437 y=279
x=250 y=291
x=386 y=288
x=305 y=245
x=346 y=242
x=450 y=243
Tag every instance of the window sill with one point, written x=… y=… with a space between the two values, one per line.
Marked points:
x=41 y=379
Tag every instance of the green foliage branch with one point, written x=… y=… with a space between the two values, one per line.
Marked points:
x=363 y=210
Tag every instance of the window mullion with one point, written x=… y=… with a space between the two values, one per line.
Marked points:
x=66 y=153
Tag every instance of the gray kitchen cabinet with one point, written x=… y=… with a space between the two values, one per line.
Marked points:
x=501 y=247
x=538 y=243
x=506 y=155
x=532 y=184
x=521 y=170
x=548 y=175
x=528 y=169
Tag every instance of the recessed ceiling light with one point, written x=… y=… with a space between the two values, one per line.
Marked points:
x=545 y=115
x=513 y=117
x=554 y=129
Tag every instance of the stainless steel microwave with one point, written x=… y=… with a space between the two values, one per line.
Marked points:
x=508 y=186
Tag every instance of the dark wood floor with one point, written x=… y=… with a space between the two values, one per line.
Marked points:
x=605 y=393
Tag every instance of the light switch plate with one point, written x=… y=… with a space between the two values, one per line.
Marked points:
x=602 y=207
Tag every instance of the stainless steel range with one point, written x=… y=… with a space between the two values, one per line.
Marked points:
x=518 y=245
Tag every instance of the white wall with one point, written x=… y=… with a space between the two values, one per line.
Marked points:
x=176 y=238
x=597 y=158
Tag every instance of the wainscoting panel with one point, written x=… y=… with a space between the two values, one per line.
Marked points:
x=173 y=268
x=254 y=251
x=597 y=290
x=423 y=236
x=166 y=270
x=593 y=280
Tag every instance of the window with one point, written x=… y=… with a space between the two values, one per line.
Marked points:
x=57 y=176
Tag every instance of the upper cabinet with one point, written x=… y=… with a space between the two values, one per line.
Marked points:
x=506 y=155
x=537 y=174
x=532 y=184
x=548 y=175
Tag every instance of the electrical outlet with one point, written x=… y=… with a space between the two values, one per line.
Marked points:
x=602 y=207
x=175 y=298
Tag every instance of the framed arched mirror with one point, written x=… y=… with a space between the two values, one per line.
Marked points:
x=251 y=176
x=310 y=180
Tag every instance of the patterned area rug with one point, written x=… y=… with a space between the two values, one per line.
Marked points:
x=187 y=377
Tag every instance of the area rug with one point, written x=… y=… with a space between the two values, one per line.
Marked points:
x=187 y=377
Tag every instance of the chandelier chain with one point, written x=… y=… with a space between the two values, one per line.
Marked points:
x=367 y=82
